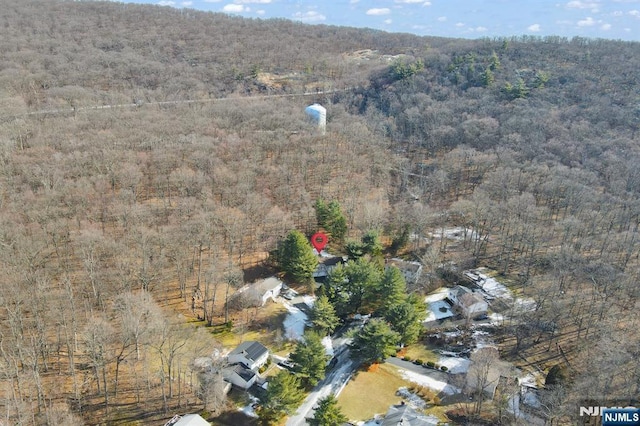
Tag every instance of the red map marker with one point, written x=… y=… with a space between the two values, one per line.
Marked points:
x=319 y=241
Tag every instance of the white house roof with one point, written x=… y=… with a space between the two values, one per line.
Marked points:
x=190 y=420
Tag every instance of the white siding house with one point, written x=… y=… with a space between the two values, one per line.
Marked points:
x=240 y=376
x=252 y=355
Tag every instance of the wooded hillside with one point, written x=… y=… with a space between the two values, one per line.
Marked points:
x=119 y=200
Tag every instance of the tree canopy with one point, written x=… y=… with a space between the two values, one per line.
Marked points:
x=309 y=359
x=282 y=397
x=332 y=220
x=323 y=315
x=296 y=257
x=328 y=413
x=375 y=342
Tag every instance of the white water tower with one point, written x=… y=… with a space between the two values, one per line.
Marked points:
x=318 y=115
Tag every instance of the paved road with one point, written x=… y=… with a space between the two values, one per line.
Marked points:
x=333 y=383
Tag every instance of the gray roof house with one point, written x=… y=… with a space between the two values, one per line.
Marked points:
x=411 y=270
x=252 y=355
x=327 y=265
x=404 y=415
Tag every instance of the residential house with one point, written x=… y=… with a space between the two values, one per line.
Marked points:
x=404 y=415
x=456 y=292
x=240 y=376
x=411 y=270
x=467 y=302
x=252 y=355
x=268 y=289
x=494 y=375
x=187 y=420
x=259 y=292
x=326 y=265
x=472 y=304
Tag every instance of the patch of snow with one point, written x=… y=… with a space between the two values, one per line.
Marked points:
x=496 y=319
x=248 y=409
x=531 y=399
x=309 y=300
x=435 y=313
x=493 y=287
x=455 y=365
x=294 y=323
x=513 y=405
x=323 y=253
x=328 y=346
x=414 y=400
x=372 y=422
x=481 y=339
x=452 y=334
x=525 y=304
x=529 y=380
x=439 y=294
x=457 y=234
x=448 y=353
x=427 y=381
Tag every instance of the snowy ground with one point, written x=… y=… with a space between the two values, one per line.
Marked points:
x=528 y=380
x=430 y=383
x=414 y=400
x=439 y=294
x=496 y=319
x=328 y=346
x=435 y=301
x=492 y=287
x=496 y=290
x=248 y=409
x=309 y=300
x=436 y=313
x=294 y=323
x=296 y=320
x=457 y=234
x=482 y=339
x=455 y=365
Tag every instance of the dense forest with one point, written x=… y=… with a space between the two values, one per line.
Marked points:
x=149 y=154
